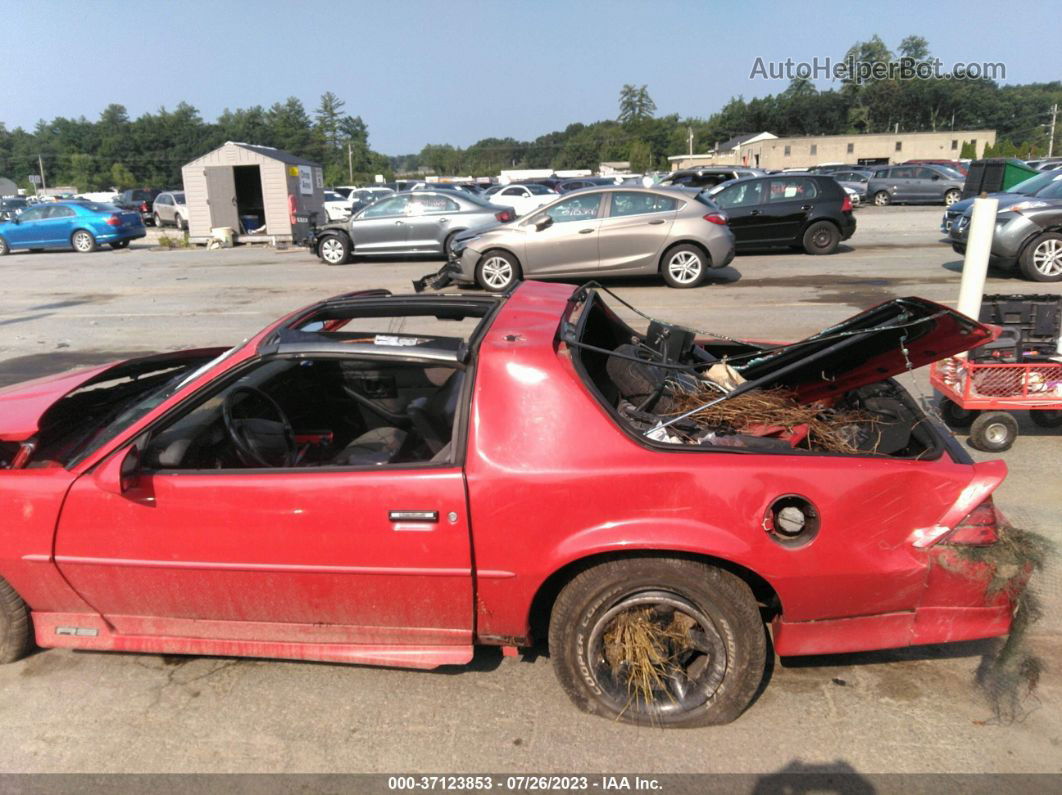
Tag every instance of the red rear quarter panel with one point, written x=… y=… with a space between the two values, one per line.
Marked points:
x=552 y=479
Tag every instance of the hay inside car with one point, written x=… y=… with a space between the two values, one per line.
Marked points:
x=393 y=479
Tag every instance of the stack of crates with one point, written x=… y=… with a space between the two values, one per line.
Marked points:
x=1031 y=327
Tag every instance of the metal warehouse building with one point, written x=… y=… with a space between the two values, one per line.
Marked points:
x=262 y=194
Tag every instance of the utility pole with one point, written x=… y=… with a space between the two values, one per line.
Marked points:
x=1051 y=137
x=350 y=162
x=690 y=131
x=44 y=185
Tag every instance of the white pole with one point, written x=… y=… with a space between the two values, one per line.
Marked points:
x=975 y=264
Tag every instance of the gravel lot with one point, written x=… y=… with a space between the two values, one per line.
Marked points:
x=914 y=710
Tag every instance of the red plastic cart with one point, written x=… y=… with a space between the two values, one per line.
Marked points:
x=981 y=395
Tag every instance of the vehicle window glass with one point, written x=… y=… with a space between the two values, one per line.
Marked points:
x=61 y=212
x=925 y=173
x=537 y=190
x=577 y=208
x=178 y=198
x=637 y=203
x=791 y=189
x=393 y=206
x=902 y=173
x=32 y=214
x=510 y=192
x=1052 y=191
x=741 y=194
x=432 y=203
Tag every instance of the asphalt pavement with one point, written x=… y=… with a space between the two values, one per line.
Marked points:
x=914 y=710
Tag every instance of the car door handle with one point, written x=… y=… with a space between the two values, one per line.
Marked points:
x=754 y=212
x=413 y=516
x=398 y=223
x=443 y=220
x=585 y=231
x=656 y=222
x=805 y=207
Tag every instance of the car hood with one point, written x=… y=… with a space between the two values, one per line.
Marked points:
x=23 y=405
x=874 y=345
x=1005 y=200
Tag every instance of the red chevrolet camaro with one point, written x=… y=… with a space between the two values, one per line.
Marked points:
x=391 y=479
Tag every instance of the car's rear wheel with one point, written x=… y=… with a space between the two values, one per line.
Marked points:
x=157 y=221
x=1042 y=259
x=951 y=197
x=821 y=237
x=1047 y=418
x=334 y=249
x=119 y=244
x=448 y=244
x=882 y=198
x=684 y=266
x=4 y=248
x=955 y=416
x=994 y=431
x=497 y=271
x=83 y=242
x=658 y=641
x=15 y=624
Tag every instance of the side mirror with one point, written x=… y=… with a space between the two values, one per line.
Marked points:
x=119 y=473
x=545 y=222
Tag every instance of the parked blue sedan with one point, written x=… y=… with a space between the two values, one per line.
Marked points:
x=81 y=225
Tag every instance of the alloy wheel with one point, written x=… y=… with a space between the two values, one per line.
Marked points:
x=1047 y=257
x=654 y=653
x=497 y=272
x=83 y=242
x=684 y=267
x=332 y=251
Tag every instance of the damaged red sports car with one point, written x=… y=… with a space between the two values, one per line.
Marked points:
x=391 y=479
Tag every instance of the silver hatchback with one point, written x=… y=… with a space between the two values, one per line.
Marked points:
x=617 y=231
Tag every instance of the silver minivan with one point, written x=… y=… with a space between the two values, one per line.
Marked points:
x=913 y=184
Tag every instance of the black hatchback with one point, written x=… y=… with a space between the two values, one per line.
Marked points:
x=803 y=211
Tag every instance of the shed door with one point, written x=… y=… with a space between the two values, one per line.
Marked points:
x=221 y=196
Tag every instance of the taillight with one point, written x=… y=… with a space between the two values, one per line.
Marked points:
x=846 y=205
x=144 y=207
x=114 y=220
x=504 y=216
x=980 y=527
x=716 y=218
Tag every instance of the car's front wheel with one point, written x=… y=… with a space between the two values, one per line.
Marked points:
x=658 y=641
x=1042 y=259
x=14 y=624
x=497 y=271
x=684 y=266
x=157 y=221
x=951 y=197
x=4 y=248
x=882 y=198
x=179 y=222
x=83 y=242
x=821 y=237
x=334 y=249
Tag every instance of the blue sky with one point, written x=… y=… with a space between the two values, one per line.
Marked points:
x=454 y=71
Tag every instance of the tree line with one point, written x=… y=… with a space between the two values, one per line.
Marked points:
x=116 y=151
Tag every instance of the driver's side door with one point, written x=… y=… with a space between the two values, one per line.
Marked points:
x=327 y=554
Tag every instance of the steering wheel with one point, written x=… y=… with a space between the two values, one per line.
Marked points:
x=259 y=442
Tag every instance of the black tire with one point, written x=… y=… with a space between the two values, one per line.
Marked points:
x=179 y=223
x=821 y=237
x=5 y=249
x=83 y=241
x=993 y=431
x=449 y=242
x=14 y=624
x=1047 y=418
x=882 y=198
x=951 y=196
x=684 y=266
x=726 y=625
x=334 y=249
x=157 y=221
x=955 y=416
x=497 y=271
x=120 y=244
x=1041 y=261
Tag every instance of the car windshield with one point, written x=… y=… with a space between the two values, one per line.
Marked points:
x=1033 y=185
x=1052 y=191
